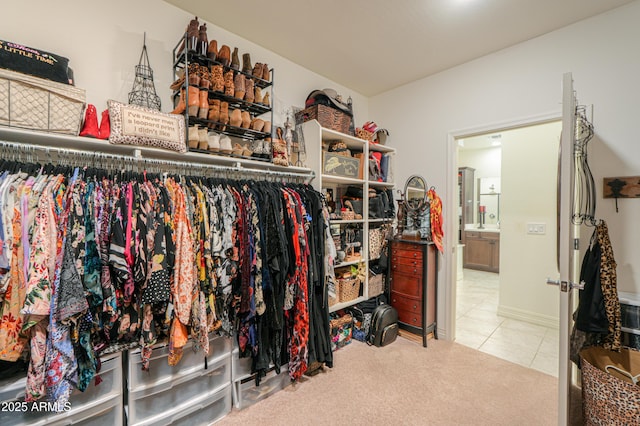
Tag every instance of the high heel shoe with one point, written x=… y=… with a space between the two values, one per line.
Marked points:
x=90 y=126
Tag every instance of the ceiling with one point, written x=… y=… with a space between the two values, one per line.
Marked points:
x=372 y=46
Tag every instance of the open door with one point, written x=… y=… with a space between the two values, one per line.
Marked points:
x=567 y=236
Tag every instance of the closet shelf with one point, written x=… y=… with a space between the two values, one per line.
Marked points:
x=91 y=146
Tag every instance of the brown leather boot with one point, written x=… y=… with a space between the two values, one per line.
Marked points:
x=265 y=72
x=235 y=59
x=179 y=109
x=214 y=111
x=257 y=94
x=229 y=87
x=246 y=119
x=212 y=50
x=248 y=87
x=203 y=106
x=193 y=101
x=246 y=63
x=235 y=118
x=203 y=42
x=257 y=124
x=240 y=88
x=224 y=55
x=257 y=70
x=265 y=99
x=224 y=114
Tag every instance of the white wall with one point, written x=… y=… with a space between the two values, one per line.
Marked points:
x=103 y=41
x=529 y=181
x=521 y=82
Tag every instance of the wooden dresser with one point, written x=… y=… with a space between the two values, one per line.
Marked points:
x=412 y=285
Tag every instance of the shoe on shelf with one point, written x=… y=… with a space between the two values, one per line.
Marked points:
x=179 y=109
x=203 y=104
x=246 y=63
x=224 y=113
x=90 y=126
x=265 y=72
x=265 y=99
x=257 y=70
x=246 y=120
x=249 y=89
x=212 y=50
x=237 y=149
x=217 y=78
x=203 y=138
x=224 y=55
x=105 y=125
x=235 y=118
x=246 y=152
x=229 y=86
x=257 y=94
x=178 y=83
x=214 y=111
x=194 y=137
x=214 y=142
x=235 y=59
x=239 y=83
x=193 y=94
x=225 y=144
x=257 y=124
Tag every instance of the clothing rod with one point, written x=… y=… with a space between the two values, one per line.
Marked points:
x=137 y=158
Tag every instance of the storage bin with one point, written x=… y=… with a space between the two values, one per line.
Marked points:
x=341 y=330
x=241 y=367
x=108 y=390
x=146 y=403
x=630 y=315
x=207 y=411
x=106 y=413
x=161 y=372
x=246 y=393
x=34 y=103
x=631 y=338
x=328 y=117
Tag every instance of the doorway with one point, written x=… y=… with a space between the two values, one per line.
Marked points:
x=502 y=306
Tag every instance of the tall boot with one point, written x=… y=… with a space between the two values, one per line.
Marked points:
x=257 y=70
x=179 y=109
x=217 y=78
x=265 y=99
x=235 y=60
x=265 y=72
x=214 y=111
x=212 y=50
x=193 y=102
x=203 y=105
x=105 y=125
x=229 y=88
x=192 y=34
x=224 y=114
x=257 y=94
x=224 y=55
x=248 y=87
x=239 y=83
x=246 y=63
x=90 y=126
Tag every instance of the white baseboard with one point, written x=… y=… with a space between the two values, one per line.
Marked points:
x=528 y=316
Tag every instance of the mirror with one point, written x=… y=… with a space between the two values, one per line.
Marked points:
x=416 y=203
x=488 y=199
x=415 y=193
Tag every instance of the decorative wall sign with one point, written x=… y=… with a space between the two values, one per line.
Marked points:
x=340 y=165
x=621 y=187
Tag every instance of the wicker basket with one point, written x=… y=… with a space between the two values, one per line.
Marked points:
x=328 y=117
x=349 y=289
x=376 y=285
x=34 y=103
x=364 y=134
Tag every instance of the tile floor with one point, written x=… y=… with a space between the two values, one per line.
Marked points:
x=480 y=327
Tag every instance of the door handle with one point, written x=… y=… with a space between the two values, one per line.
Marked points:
x=566 y=285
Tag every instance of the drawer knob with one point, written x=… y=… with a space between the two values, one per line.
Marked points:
x=395 y=266
x=414 y=320
x=415 y=254
x=415 y=306
x=415 y=271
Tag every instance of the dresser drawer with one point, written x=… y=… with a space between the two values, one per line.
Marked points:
x=408 y=261
x=405 y=268
x=406 y=253
x=410 y=318
x=404 y=303
x=410 y=285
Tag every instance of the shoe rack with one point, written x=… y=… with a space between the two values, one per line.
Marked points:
x=334 y=185
x=186 y=59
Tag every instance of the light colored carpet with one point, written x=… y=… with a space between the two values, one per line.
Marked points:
x=406 y=384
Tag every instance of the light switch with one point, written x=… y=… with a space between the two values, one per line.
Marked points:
x=536 y=228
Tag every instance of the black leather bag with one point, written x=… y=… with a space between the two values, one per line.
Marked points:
x=384 y=326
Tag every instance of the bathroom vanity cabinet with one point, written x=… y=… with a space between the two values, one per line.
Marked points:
x=482 y=250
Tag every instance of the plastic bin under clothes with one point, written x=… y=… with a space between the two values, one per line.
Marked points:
x=103 y=401
x=630 y=319
x=246 y=393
